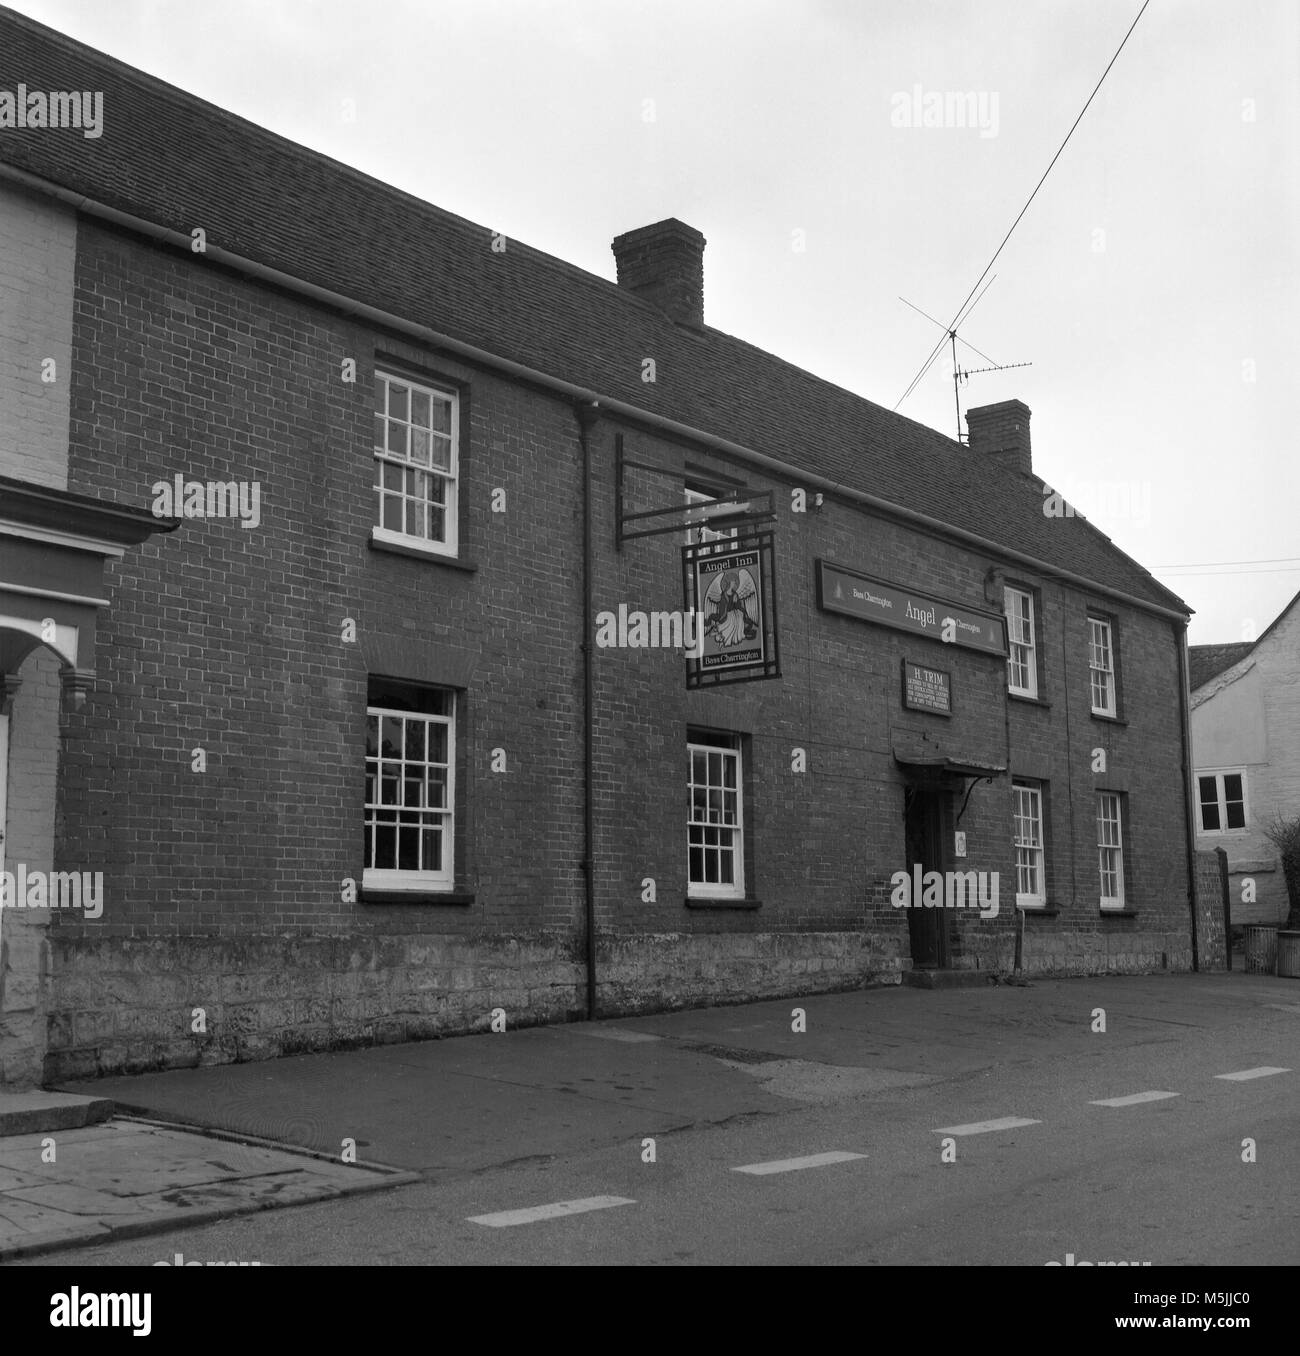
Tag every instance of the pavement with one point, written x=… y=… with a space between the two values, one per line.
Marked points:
x=441 y=1112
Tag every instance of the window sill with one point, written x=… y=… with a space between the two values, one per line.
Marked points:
x=1029 y=701
x=372 y=894
x=1118 y=913
x=1039 y=910
x=700 y=902
x=1108 y=720
x=401 y=548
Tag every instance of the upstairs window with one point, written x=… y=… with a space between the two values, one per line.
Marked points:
x=1022 y=658
x=415 y=464
x=1222 y=797
x=1101 y=666
x=701 y=535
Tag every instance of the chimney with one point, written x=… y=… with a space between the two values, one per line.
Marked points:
x=664 y=263
x=1001 y=431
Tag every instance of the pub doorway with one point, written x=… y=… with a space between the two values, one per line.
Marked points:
x=923 y=836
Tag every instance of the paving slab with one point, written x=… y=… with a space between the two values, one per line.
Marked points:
x=459 y=1104
x=25 y=1113
x=130 y=1177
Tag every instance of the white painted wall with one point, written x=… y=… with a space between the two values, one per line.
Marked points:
x=1249 y=716
x=38 y=240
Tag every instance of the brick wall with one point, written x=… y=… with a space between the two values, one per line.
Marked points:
x=828 y=839
x=223 y=887
x=231 y=640
x=1211 y=939
x=35 y=324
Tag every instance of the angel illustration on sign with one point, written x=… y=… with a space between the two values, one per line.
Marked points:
x=731 y=608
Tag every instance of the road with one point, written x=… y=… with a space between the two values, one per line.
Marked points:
x=1163 y=1180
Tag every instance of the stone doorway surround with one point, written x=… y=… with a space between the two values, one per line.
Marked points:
x=54 y=546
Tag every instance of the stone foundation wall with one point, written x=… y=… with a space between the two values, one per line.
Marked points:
x=129 y=1005
x=125 y=1005
x=661 y=971
x=1083 y=953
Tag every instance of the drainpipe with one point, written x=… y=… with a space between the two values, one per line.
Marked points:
x=587 y=413
x=1189 y=820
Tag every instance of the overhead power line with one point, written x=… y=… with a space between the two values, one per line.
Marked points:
x=1205 y=564
x=1228 y=574
x=925 y=367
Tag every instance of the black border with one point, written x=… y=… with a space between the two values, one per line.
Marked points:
x=926 y=710
x=770 y=667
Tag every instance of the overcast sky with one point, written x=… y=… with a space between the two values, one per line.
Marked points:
x=1154 y=284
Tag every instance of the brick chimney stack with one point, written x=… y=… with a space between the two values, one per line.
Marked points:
x=1002 y=431
x=664 y=263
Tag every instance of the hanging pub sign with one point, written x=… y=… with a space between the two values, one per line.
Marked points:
x=927 y=689
x=874 y=600
x=730 y=593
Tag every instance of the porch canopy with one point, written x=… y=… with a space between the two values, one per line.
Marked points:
x=53 y=549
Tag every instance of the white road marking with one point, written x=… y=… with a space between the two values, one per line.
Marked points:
x=1134 y=1098
x=1264 y=1071
x=612 y=1035
x=983 y=1127
x=504 y=1218
x=793 y=1164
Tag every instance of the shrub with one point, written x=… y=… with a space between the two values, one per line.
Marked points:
x=1284 y=833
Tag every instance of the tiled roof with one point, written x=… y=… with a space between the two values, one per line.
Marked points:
x=1208 y=661
x=180 y=163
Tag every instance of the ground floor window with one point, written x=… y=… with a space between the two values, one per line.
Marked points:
x=1031 y=886
x=715 y=823
x=410 y=786
x=1110 y=849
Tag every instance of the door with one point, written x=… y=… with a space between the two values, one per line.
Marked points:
x=922 y=817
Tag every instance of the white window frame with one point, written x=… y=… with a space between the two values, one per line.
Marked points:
x=1110 y=847
x=1101 y=665
x=1021 y=646
x=398 y=879
x=1219 y=773
x=411 y=467
x=726 y=753
x=701 y=535
x=1030 y=850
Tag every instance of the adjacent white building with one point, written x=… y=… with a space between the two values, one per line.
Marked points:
x=1246 y=746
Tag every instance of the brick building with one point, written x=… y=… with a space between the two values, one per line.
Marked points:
x=348 y=758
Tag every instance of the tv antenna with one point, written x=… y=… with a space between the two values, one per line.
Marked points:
x=960 y=374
